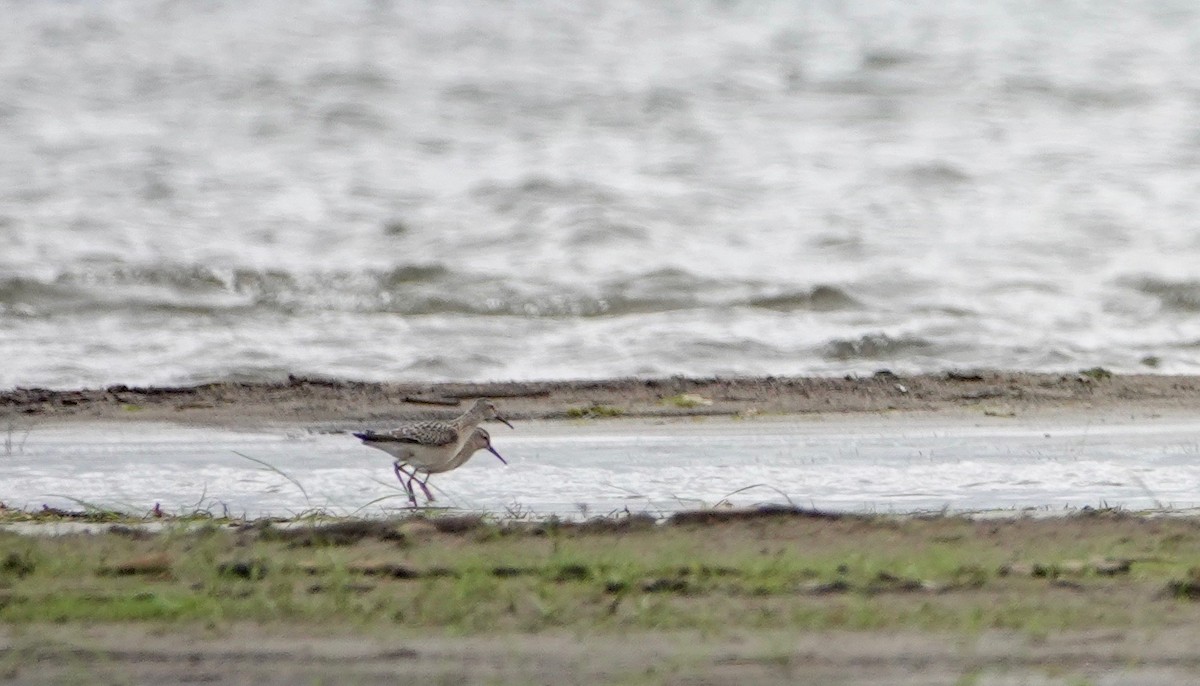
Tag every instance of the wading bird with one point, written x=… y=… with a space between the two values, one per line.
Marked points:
x=480 y=440
x=431 y=446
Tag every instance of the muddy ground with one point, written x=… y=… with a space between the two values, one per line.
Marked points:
x=312 y=400
x=253 y=655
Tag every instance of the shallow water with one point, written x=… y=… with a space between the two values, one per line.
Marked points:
x=601 y=468
x=458 y=190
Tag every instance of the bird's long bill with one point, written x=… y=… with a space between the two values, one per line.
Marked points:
x=493 y=451
x=505 y=422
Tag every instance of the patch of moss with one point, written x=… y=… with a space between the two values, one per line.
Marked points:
x=594 y=410
x=1096 y=373
x=687 y=401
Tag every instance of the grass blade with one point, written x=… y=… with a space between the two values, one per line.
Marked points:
x=280 y=472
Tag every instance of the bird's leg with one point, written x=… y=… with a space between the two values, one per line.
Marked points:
x=408 y=489
x=423 y=488
x=400 y=474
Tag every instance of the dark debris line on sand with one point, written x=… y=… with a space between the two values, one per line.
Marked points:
x=322 y=400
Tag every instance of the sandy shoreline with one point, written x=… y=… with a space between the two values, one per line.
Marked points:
x=317 y=401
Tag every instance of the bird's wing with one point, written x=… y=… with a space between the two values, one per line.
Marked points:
x=422 y=433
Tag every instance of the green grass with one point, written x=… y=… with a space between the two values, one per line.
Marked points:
x=594 y=411
x=1096 y=373
x=687 y=400
x=466 y=575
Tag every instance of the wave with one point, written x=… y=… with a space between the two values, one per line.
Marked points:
x=818 y=298
x=1097 y=96
x=519 y=196
x=875 y=346
x=19 y=289
x=408 y=289
x=1177 y=296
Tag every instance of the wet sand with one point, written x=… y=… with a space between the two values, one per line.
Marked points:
x=316 y=401
x=901 y=462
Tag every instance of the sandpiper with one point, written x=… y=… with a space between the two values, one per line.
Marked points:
x=430 y=442
x=480 y=440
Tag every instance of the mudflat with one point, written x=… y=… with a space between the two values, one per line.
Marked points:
x=316 y=400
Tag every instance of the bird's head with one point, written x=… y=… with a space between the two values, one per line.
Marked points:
x=486 y=409
x=482 y=439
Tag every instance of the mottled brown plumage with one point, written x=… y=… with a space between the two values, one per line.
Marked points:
x=428 y=445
